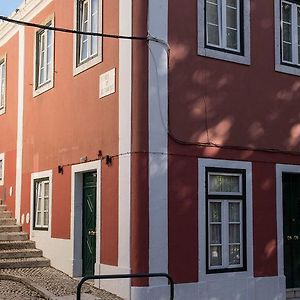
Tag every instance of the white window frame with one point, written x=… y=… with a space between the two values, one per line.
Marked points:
x=222 y=21
x=225 y=174
x=93 y=58
x=3 y=68
x=225 y=234
x=232 y=276
x=287 y=67
x=37 y=232
x=40 y=87
x=2 y=158
x=222 y=52
x=39 y=185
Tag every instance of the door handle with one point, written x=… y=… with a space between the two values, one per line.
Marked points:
x=289 y=237
x=91 y=232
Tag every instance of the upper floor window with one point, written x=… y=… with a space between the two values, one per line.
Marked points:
x=287 y=36
x=223 y=29
x=88 y=47
x=223 y=24
x=44 y=59
x=290 y=33
x=2 y=86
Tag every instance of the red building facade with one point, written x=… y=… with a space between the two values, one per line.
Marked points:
x=174 y=152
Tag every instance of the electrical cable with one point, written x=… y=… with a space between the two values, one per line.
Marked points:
x=167 y=49
x=72 y=31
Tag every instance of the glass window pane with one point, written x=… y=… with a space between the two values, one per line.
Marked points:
x=224 y=183
x=234 y=211
x=38 y=219
x=232 y=3
x=215 y=234
x=39 y=188
x=287 y=33
x=212 y=14
x=215 y=212
x=231 y=17
x=287 y=52
x=46 y=204
x=286 y=12
x=234 y=255
x=46 y=192
x=215 y=256
x=39 y=200
x=46 y=219
x=232 y=39
x=213 y=35
x=234 y=233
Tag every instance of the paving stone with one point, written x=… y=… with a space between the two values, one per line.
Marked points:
x=17 y=291
x=58 y=283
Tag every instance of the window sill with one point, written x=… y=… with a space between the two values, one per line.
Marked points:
x=291 y=70
x=44 y=88
x=219 y=54
x=87 y=65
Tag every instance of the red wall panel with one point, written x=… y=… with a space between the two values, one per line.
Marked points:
x=61 y=204
x=264 y=220
x=183 y=219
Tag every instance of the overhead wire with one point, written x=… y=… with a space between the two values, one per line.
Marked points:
x=167 y=49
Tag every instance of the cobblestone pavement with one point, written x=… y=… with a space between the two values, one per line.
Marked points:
x=55 y=284
x=17 y=291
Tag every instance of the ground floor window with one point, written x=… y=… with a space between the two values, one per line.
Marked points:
x=226 y=220
x=41 y=203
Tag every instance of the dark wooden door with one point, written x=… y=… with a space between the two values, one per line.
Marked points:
x=89 y=223
x=291 y=229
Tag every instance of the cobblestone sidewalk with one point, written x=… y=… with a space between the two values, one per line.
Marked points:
x=45 y=283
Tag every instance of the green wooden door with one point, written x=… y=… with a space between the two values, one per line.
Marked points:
x=291 y=229
x=89 y=223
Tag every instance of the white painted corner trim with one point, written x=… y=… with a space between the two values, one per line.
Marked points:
x=158 y=141
x=19 y=160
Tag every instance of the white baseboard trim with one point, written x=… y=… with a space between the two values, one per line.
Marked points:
x=248 y=288
x=120 y=287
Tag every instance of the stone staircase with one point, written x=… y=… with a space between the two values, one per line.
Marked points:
x=16 y=250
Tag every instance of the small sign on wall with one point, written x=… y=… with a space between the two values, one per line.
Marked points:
x=107 y=83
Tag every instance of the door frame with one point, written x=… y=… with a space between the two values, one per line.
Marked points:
x=76 y=214
x=280 y=169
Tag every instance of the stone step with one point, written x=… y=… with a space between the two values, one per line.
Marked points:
x=34 y=262
x=7 y=245
x=10 y=228
x=5 y=214
x=13 y=236
x=8 y=221
x=3 y=207
x=20 y=253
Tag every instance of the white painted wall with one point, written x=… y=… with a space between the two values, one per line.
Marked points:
x=158 y=141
